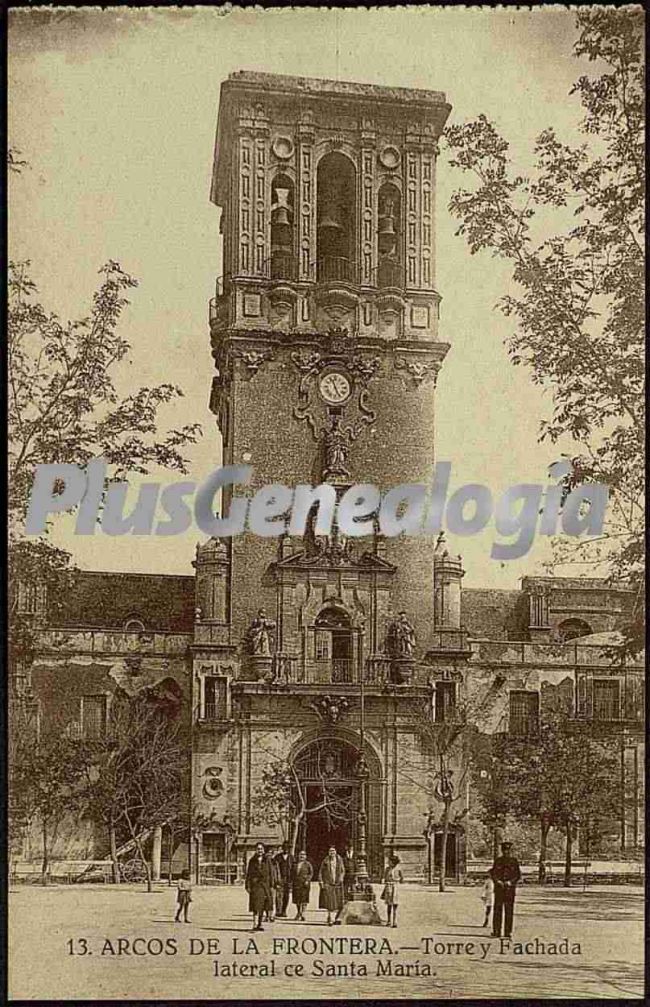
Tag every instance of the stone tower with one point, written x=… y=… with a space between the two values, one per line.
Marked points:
x=324 y=331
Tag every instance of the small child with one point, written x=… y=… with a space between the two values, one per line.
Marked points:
x=487 y=896
x=183 y=896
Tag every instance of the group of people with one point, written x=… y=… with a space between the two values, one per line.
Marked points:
x=272 y=878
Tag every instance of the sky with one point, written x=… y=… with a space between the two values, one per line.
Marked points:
x=115 y=112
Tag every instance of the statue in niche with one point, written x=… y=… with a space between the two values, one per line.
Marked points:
x=401 y=637
x=259 y=635
x=336 y=450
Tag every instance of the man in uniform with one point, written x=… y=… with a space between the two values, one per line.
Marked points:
x=506 y=873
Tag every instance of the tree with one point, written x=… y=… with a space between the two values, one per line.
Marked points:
x=63 y=402
x=440 y=765
x=559 y=776
x=46 y=777
x=136 y=774
x=579 y=306
x=280 y=800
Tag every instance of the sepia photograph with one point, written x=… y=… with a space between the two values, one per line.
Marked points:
x=326 y=503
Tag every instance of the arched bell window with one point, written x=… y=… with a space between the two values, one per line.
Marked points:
x=282 y=228
x=336 y=188
x=389 y=237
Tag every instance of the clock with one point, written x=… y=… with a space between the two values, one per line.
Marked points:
x=335 y=387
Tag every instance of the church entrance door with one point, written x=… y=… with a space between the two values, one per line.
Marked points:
x=327 y=775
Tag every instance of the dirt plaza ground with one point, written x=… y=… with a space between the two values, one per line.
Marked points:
x=135 y=950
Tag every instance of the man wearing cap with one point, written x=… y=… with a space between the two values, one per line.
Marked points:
x=506 y=874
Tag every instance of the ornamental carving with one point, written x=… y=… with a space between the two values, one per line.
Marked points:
x=356 y=412
x=213 y=785
x=419 y=371
x=253 y=359
x=330 y=708
x=259 y=635
x=337 y=448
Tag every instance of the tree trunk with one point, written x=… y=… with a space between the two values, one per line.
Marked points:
x=544 y=830
x=46 y=853
x=443 y=851
x=567 y=855
x=170 y=854
x=147 y=865
x=113 y=853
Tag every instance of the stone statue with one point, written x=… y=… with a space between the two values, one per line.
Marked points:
x=336 y=450
x=259 y=634
x=401 y=637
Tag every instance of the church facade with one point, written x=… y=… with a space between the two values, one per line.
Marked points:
x=323 y=654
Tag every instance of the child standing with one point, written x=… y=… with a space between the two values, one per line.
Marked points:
x=392 y=879
x=487 y=897
x=183 y=896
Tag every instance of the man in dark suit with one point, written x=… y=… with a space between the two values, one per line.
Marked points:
x=506 y=874
x=259 y=885
x=284 y=861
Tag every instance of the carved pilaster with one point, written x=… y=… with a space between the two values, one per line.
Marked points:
x=305 y=198
x=368 y=215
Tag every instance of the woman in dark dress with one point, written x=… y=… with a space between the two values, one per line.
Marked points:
x=303 y=872
x=331 y=877
x=259 y=885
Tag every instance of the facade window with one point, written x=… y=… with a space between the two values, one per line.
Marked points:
x=93 y=716
x=215 y=697
x=322 y=643
x=524 y=712
x=606 y=699
x=445 y=700
x=214 y=847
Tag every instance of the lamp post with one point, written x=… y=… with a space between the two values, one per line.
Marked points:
x=361 y=874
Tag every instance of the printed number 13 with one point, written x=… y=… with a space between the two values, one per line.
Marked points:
x=81 y=946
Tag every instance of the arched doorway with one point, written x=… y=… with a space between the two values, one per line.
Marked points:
x=327 y=775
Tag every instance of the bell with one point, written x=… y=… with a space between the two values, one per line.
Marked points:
x=330 y=218
x=387 y=226
x=281 y=216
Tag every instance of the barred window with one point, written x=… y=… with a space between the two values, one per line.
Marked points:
x=606 y=699
x=524 y=712
x=93 y=716
x=215 y=697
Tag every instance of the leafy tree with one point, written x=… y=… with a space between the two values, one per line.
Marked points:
x=63 y=402
x=561 y=776
x=46 y=777
x=578 y=306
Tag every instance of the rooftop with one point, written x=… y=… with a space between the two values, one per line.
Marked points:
x=312 y=86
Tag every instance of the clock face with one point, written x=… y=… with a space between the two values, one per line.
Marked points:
x=335 y=387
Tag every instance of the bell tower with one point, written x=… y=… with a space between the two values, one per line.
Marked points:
x=325 y=321
x=324 y=330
